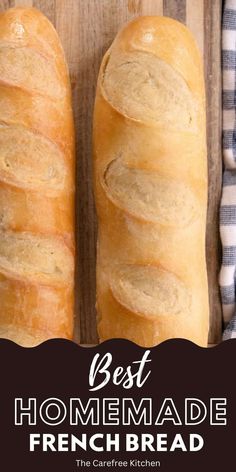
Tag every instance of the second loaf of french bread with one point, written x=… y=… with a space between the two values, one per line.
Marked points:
x=36 y=181
x=151 y=186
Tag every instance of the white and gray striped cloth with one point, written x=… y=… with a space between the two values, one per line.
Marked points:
x=228 y=201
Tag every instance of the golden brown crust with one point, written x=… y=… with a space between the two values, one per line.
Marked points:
x=36 y=181
x=151 y=186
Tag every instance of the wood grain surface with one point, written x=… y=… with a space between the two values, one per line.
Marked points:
x=86 y=29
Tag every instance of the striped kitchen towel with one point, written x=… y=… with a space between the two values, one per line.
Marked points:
x=228 y=200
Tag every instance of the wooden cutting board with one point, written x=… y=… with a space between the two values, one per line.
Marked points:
x=86 y=29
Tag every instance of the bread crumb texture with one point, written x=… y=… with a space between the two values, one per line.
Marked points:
x=18 y=145
x=150 y=291
x=149 y=196
x=29 y=69
x=38 y=258
x=145 y=88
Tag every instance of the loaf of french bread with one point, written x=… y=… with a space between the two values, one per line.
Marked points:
x=150 y=167
x=36 y=181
